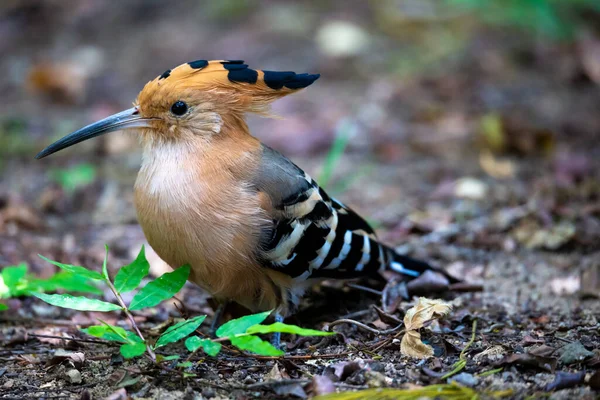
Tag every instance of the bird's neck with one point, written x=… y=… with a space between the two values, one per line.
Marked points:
x=229 y=150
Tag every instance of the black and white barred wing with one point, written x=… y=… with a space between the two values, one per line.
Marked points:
x=313 y=235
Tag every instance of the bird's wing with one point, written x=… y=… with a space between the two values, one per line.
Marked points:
x=313 y=235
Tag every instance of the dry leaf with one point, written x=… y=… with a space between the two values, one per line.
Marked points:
x=425 y=310
x=412 y=346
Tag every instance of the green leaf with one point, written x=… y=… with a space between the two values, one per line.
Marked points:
x=179 y=331
x=185 y=364
x=133 y=350
x=4 y=290
x=130 y=276
x=345 y=130
x=105 y=264
x=61 y=280
x=285 y=328
x=79 y=303
x=75 y=177
x=240 y=325
x=13 y=274
x=107 y=332
x=255 y=345
x=162 y=288
x=160 y=358
x=75 y=269
x=3 y=307
x=211 y=348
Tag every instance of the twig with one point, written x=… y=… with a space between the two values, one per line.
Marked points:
x=131 y=319
x=365 y=327
x=72 y=339
x=304 y=357
x=364 y=288
x=271 y=383
x=37 y=321
x=367 y=351
x=358 y=313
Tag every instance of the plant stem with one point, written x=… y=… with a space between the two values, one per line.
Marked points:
x=131 y=320
x=462 y=361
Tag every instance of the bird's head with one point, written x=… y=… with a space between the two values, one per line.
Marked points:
x=196 y=99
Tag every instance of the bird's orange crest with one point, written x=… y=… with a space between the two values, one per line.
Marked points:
x=228 y=86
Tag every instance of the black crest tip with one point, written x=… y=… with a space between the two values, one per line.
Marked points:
x=165 y=74
x=198 y=64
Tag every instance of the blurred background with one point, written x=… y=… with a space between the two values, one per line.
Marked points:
x=457 y=127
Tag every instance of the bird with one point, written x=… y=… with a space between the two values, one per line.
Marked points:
x=253 y=226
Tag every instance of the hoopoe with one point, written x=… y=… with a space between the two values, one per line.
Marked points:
x=254 y=227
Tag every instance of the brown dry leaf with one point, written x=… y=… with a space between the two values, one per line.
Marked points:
x=425 y=310
x=534 y=236
x=76 y=359
x=495 y=167
x=412 y=346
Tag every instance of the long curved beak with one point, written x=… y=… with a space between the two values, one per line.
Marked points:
x=124 y=120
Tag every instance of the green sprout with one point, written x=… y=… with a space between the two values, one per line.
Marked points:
x=241 y=333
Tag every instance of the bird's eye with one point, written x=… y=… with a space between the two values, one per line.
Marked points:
x=179 y=108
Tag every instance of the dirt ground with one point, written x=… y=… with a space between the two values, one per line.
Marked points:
x=484 y=160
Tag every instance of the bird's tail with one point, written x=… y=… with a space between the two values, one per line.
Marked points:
x=413 y=268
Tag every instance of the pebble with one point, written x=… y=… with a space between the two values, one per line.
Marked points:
x=464 y=379
x=74 y=376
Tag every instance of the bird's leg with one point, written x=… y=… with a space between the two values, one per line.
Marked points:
x=217 y=318
x=276 y=338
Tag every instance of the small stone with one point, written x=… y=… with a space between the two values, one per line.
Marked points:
x=574 y=353
x=74 y=376
x=377 y=379
x=465 y=379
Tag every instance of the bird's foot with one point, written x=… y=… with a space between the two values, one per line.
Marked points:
x=276 y=338
x=216 y=320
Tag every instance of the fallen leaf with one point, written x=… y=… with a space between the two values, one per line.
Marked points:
x=275 y=374
x=428 y=282
x=543 y=351
x=497 y=168
x=66 y=357
x=120 y=394
x=533 y=236
x=425 y=310
x=340 y=371
x=530 y=360
x=290 y=390
x=412 y=346
x=574 y=353
x=322 y=385
x=387 y=318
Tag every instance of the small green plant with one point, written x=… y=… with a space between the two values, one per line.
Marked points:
x=75 y=177
x=557 y=19
x=15 y=282
x=241 y=332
